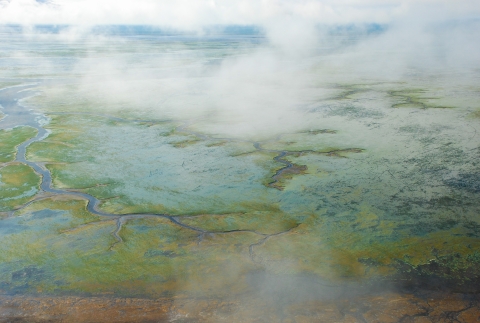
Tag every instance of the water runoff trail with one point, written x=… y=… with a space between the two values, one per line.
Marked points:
x=18 y=115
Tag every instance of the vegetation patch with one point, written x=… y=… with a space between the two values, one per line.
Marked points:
x=475 y=114
x=414 y=98
x=18 y=184
x=11 y=138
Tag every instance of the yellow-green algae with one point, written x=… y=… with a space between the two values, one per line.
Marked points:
x=365 y=252
x=347 y=91
x=267 y=222
x=30 y=239
x=70 y=250
x=11 y=138
x=185 y=143
x=475 y=114
x=415 y=98
x=61 y=248
x=18 y=184
x=167 y=259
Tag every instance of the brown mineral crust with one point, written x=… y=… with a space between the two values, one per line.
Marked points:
x=449 y=304
x=320 y=311
x=422 y=319
x=389 y=308
x=383 y=308
x=75 y=309
x=469 y=315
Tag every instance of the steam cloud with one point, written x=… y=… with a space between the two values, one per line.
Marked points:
x=265 y=88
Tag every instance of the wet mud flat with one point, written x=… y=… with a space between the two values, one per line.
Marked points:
x=386 y=307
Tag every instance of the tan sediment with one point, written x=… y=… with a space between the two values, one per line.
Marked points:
x=388 y=307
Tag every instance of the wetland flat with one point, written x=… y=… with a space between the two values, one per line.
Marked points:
x=175 y=178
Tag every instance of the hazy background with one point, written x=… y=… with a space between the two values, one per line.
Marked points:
x=294 y=54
